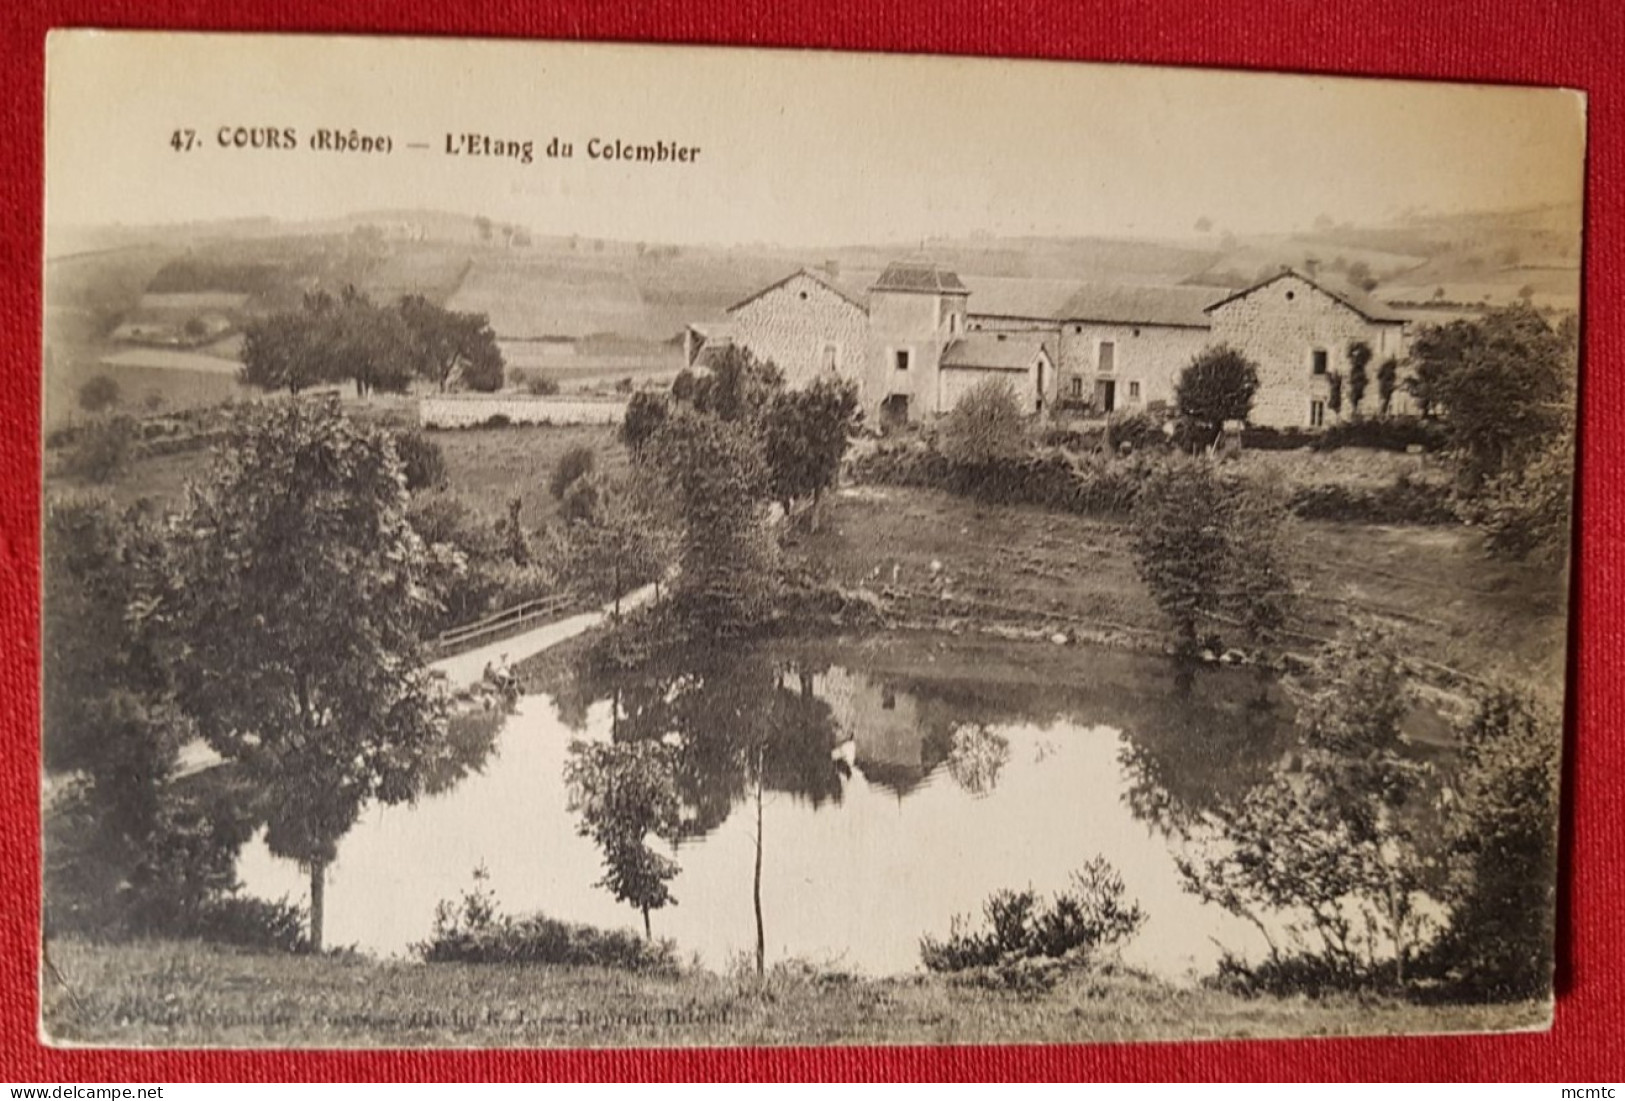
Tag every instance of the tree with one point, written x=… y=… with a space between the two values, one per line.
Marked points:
x=1524 y=513
x=575 y=463
x=987 y=426
x=423 y=464
x=301 y=587
x=1335 y=844
x=1387 y=385
x=625 y=792
x=1360 y=356
x=716 y=478
x=646 y=411
x=1213 y=551
x=1181 y=546
x=1506 y=383
x=329 y=340
x=738 y=386
x=449 y=344
x=1503 y=836
x=1334 y=393
x=804 y=437
x=615 y=544
x=98 y=394
x=1217 y=386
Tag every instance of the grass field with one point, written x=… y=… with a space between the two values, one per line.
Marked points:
x=1433 y=585
x=189 y=995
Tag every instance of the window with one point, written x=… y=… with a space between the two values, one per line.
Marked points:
x=1317 y=414
x=953 y=322
x=1134 y=391
x=1106 y=356
x=831 y=358
x=903 y=357
x=1317 y=361
x=1077 y=387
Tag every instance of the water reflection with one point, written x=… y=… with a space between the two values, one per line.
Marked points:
x=832 y=801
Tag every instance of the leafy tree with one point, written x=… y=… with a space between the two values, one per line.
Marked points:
x=422 y=461
x=1360 y=356
x=625 y=792
x=1503 y=835
x=1213 y=550
x=1525 y=513
x=1334 y=392
x=301 y=588
x=329 y=340
x=575 y=463
x=738 y=386
x=646 y=411
x=616 y=543
x=541 y=386
x=715 y=475
x=1217 y=386
x=449 y=344
x=102 y=449
x=98 y=394
x=804 y=435
x=1387 y=385
x=1335 y=846
x=1506 y=381
x=987 y=426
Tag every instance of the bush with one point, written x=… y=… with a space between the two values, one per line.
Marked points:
x=1384 y=434
x=424 y=462
x=542 y=386
x=986 y=427
x=1402 y=501
x=575 y=463
x=1140 y=432
x=102 y=449
x=475 y=931
x=498 y=420
x=1076 y=924
x=98 y=394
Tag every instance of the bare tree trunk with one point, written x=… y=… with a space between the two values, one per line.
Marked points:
x=756 y=887
x=318 y=887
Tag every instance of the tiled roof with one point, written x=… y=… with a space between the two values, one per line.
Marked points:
x=1064 y=301
x=922 y=276
x=993 y=351
x=1358 y=301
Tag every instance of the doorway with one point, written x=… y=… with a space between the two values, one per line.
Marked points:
x=1105 y=395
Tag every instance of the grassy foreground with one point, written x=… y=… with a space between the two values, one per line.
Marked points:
x=176 y=994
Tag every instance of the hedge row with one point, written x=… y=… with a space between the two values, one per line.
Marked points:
x=1092 y=485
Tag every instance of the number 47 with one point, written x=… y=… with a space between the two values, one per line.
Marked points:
x=182 y=140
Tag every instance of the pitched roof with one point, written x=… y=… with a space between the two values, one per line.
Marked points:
x=922 y=276
x=1061 y=300
x=1358 y=301
x=993 y=351
x=817 y=277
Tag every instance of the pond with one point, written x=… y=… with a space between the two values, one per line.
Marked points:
x=901 y=781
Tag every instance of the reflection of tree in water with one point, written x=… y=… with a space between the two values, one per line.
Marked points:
x=1200 y=745
x=976 y=756
x=470 y=740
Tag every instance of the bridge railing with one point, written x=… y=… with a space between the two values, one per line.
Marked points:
x=507 y=619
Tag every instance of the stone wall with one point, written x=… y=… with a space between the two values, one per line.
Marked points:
x=471 y=410
x=1279 y=326
x=792 y=323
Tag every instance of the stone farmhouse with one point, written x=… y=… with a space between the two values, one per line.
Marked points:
x=919 y=337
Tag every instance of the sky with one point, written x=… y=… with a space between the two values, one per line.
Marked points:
x=795 y=148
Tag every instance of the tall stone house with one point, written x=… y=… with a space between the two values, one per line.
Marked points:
x=919 y=337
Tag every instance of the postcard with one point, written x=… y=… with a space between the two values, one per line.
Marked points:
x=584 y=545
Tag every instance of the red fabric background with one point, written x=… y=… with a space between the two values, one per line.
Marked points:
x=1576 y=44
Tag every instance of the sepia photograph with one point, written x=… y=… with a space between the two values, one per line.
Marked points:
x=560 y=545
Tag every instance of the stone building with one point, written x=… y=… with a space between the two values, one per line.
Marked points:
x=919 y=338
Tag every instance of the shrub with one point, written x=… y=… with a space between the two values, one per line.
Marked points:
x=474 y=930
x=1140 y=432
x=542 y=386
x=1386 y=434
x=498 y=420
x=422 y=459
x=986 y=427
x=102 y=449
x=1402 y=501
x=1504 y=839
x=1525 y=513
x=1076 y=924
x=1217 y=386
x=572 y=465
x=98 y=394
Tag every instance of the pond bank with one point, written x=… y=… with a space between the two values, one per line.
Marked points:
x=183 y=994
